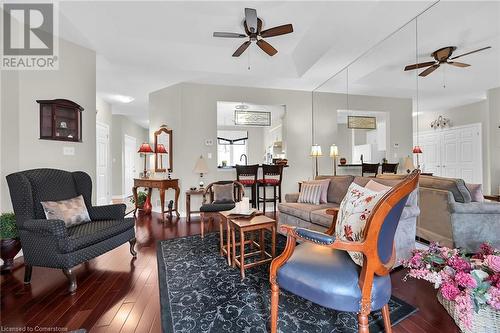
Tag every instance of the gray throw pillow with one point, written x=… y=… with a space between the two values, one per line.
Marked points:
x=72 y=211
x=223 y=193
x=476 y=192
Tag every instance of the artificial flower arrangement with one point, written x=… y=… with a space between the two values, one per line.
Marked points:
x=469 y=282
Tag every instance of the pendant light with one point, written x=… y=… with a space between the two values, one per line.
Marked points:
x=416 y=149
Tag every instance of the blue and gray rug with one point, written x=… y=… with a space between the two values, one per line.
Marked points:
x=199 y=292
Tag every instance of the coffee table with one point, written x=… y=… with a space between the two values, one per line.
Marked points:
x=259 y=223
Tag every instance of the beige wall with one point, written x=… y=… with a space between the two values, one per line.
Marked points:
x=121 y=126
x=21 y=147
x=494 y=138
x=191 y=111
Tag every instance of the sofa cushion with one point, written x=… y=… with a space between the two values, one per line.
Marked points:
x=325 y=183
x=377 y=187
x=87 y=234
x=320 y=217
x=338 y=187
x=476 y=192
x=302 y=210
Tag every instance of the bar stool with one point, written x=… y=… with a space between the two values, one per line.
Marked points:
x=390 y=168
x=249 y=174
x=369 y=168
x=271 y=177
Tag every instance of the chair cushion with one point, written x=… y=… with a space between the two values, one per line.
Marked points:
x=217 y=207
x=246 y=182
x=93 y=232
x=329 y=278
x=320 y=217
x=269 y=181
x=301 y=210
x=354 y=211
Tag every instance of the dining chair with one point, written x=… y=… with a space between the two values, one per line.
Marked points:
x=321 y=270
x=369 y=168
x=390 y=168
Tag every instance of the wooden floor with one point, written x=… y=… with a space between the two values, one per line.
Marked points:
x=118 y=294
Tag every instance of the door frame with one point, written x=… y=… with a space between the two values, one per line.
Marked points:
x=108 y=169
x=125 y=137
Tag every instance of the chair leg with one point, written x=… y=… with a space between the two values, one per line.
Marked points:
x=27 y=273
x=202 y=222
x=275 y=294
x=387 y=318
x=363 y=323
x=264 y=201
x=71 y=278
x=133 y=252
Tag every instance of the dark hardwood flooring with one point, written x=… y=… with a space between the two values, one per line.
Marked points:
x=118 y=294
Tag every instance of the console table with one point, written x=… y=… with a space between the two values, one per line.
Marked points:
x=162 y=185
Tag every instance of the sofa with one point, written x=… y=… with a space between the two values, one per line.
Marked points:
x=451 y=217
x=314 y=217
x=48 y=242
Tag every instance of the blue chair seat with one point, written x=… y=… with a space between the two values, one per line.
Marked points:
x=216 y=207
x=329 y=278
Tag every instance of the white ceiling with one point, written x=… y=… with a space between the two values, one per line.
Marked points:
x=145 y=46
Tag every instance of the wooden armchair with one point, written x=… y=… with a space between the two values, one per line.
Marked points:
x=211 y=209
x=320 y=269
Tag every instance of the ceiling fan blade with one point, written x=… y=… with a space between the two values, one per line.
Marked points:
x=458 y=64
x=251 y=19
x=478 y=50
x=428 y=70
x=420 y=65
x=276 y=31
x=229 y=35
x=241 y=49
x=266 y=47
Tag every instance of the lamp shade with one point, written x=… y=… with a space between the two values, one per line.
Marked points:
x=201 y=165
x=408 y=163
x=316 y=151
x=160 y=149
x=145 y=148
x=334 y=151
x=417 y=150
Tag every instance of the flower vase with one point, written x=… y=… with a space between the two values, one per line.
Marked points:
x=146 y=208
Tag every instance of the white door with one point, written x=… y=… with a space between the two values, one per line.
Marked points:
x=129 y=154
x=102 y=166
x=450 y=164
x=430 y=159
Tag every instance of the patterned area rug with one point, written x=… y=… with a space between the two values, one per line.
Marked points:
x=199 y=292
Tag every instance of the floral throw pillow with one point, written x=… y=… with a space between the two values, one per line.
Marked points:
x=72 y=211
x=354 y=211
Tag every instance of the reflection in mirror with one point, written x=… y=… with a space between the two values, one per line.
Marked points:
x=163 y=149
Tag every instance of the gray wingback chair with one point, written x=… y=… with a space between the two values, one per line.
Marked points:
x=49 y=243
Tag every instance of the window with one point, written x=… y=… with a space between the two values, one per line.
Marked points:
x=230 y=146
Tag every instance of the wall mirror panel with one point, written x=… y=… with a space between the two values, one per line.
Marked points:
x=163 y=148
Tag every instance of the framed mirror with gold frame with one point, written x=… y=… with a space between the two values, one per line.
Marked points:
x=163 y=149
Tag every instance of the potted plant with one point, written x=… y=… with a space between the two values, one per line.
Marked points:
x=141 y=199
x=10 y=245
x=468 y=285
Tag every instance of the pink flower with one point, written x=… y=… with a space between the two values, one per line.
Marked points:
x=465 y=280
x=416 y=260
x=494 y=280
x=450 y=291
x=459 y=264
x=493 y=262
x=463 y=302
x=494 y=300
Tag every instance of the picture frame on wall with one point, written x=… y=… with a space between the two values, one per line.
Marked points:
x=361 y=122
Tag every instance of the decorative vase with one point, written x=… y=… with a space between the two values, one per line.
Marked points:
x=343 y=160
x=146 y=208
x=8 y=250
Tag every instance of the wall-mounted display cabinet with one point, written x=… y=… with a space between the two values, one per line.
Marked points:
x=60 y=119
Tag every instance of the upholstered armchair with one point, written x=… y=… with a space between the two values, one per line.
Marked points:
x=210 y=207
x=321 y=270
x=48 y=242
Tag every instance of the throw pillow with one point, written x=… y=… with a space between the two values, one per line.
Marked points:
x=72 y=211
x=376 y=186
x=476 y=192
x=324 y=188
x=223 y=193
x=310 y=193
x=354 y=211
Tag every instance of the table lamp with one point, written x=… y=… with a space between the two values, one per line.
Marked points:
x=201 y=167
x=408 y=164
x=316 y=152
x=160 y=149
x=334 y=152
x=417 y=150
x=145 y=149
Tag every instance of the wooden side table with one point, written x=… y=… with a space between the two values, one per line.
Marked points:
x=162 y=185
x=259 y=223
x=189 y=193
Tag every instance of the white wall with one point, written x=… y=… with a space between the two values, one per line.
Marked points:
x=191 y=111
x=494 y=138
x=21 y=147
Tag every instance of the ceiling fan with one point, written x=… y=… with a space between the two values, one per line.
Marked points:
x=254 y=32
x=442 y=56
